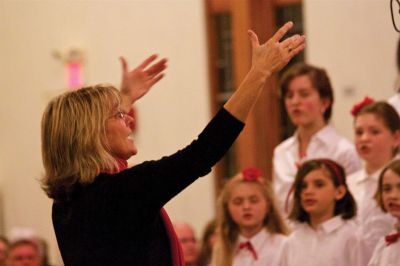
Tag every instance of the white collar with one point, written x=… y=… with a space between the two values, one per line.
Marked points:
x=257 y=241
x=325 y=136
x=332 y=224
x=326 y=227
x=364 y=176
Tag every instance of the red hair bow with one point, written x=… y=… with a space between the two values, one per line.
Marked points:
x=251 y=174
x=392 y=238
x=357 y=107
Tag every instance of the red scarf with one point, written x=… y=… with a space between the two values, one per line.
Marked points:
x=175 y=246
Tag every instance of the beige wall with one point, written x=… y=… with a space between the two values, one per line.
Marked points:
x=356 y=43
x=168 y=118
x=353 y=39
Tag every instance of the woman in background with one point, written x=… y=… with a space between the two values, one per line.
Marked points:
x=308 y=98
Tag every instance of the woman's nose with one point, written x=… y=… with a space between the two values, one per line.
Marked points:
x=130 y=121
x=294 y=100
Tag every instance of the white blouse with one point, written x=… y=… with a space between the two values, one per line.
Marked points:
x=386 y=255
x=266 y=246
x=326 y=143
x=335 y=242
x=373 y=222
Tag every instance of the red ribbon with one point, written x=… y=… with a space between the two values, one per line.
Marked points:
x=357 y=107
x=392 y=238
x=251 y=174
x=247 y=245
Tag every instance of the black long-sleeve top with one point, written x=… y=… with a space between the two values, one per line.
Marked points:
x=115 y=221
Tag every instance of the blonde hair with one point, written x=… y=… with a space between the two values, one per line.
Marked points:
x=74 y=144
x=228 y=230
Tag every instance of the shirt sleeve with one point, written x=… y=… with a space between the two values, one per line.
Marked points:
x=282 y=257
x=374 y=261
x=356 y=250
x=283 y=174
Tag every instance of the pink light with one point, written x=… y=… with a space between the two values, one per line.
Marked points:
x=74 y=75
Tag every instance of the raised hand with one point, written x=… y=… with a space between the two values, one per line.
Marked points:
x=138 y=81
x=267 y=58
x=273 y=55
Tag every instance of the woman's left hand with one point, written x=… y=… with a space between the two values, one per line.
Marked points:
x=138 y=81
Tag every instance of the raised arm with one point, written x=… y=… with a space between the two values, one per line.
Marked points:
x=267 y=59
x=138 y=81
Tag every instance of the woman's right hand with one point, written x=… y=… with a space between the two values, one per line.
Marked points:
x=267 y=59
x=273 y=55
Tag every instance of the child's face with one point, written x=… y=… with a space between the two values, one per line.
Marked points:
x=303 y=102
x=374 y=140
x=319 y=195
x=247 y=206
x=391 y=193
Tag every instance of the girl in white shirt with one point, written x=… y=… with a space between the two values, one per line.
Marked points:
x=323 y=208
x=250 y=228
x=387 y=251
x=308 y=98
x=377 y=136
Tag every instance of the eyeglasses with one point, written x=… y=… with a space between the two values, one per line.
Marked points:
x=119 y=115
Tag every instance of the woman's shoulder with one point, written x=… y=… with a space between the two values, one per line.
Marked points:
x=299 y=230
x=356 y=176
x=285 y=145
x=278 y=237
x=351 y=233
x=330 y=134
x=350 y=224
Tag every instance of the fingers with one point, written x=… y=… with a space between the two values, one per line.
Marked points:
x=282 y=31
x=124 y=64
x=157 y=67
x=287 y=43
x=147 y=61
x=297 y=50
x=155 y=79
x=295 y=43
x=253 y=38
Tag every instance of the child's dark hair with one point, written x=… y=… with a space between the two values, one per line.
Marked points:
x=319 y=79
x=346 y=207
x=395 y=167
x=385 y=111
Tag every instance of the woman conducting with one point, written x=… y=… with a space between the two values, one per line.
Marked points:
x=107 y=214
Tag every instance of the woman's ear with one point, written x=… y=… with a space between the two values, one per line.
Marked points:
x=396 y=136
x=340 y=192
x=325 y=104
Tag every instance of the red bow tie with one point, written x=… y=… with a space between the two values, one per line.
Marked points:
x=247 y=245
x=392 y=238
